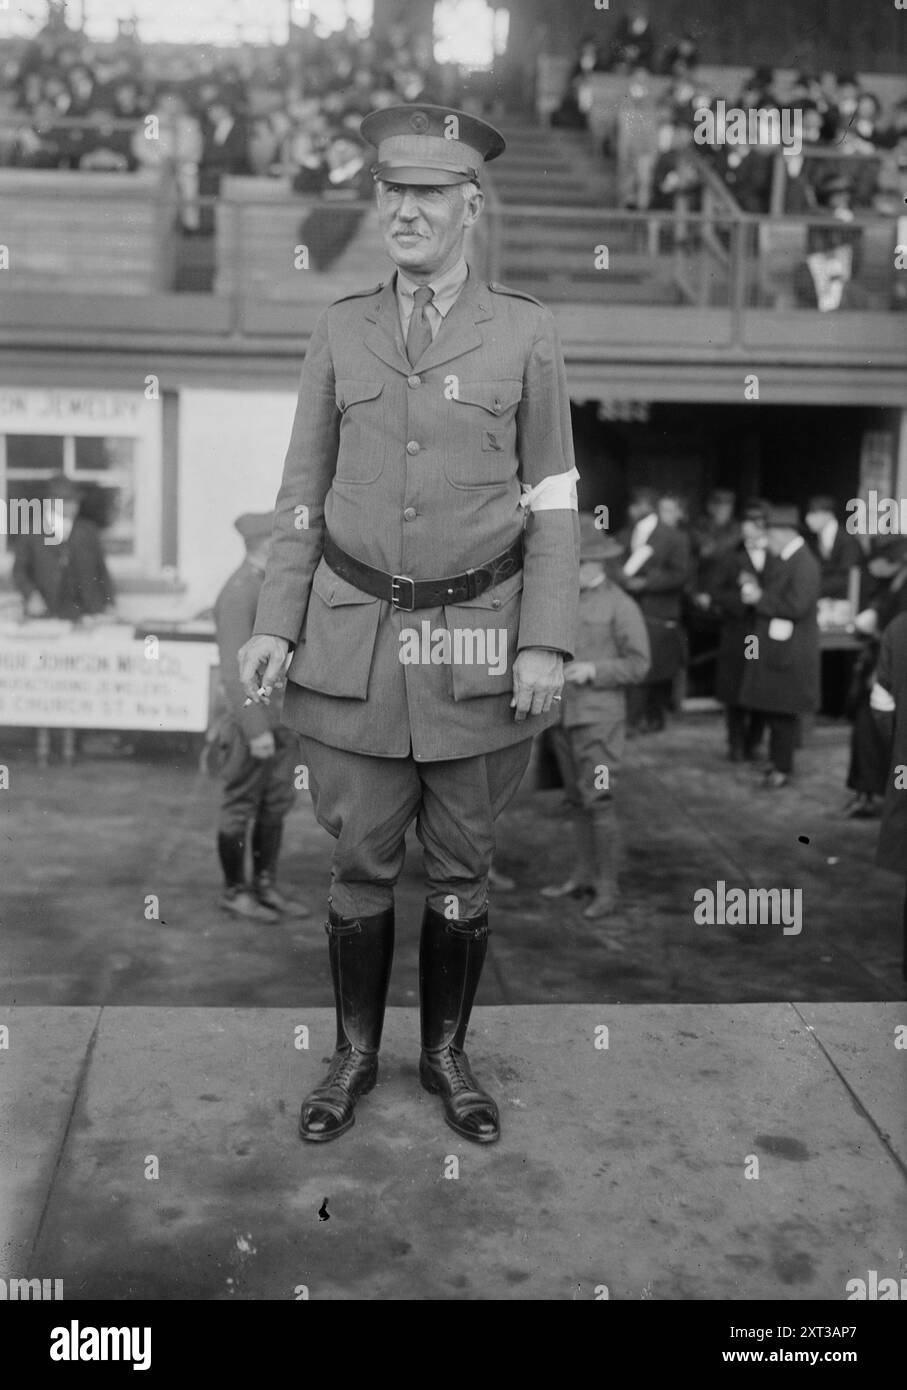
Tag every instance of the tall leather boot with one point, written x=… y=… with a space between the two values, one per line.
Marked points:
x=582 y=875
x=604 y=834
x=451 y=955
x=361 y=951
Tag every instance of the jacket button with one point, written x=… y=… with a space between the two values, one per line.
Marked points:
x=495 y=603
x=412 y=447
x=410 y=514
x=414 y=381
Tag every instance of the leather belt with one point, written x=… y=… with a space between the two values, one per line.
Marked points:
x=408 y=594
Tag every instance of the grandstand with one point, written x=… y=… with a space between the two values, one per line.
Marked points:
x=177 y=258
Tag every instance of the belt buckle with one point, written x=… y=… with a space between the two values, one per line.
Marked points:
x=396 y=581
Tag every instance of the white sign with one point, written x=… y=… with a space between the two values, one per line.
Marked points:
x=67 y=411
x=100 y=682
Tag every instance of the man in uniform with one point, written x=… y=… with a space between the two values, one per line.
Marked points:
x=261 y=755
x=428 y=505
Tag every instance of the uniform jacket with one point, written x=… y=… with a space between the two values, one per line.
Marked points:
x=417 y=470
x=738 y=620
x=234 y=617
x=665 y=572
x=784 y=677
x=892 y=674
x=72 y=577
x=612 y=635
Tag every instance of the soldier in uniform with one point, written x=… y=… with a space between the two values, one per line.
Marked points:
x=612 y=653
x=261 y=755
x=429 y=493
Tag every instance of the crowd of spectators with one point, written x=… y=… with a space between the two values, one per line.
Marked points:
x=67 y=103
x=862 y=147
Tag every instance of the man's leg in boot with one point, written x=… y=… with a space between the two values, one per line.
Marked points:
x=278 y=796
x=461 y=800
x=240 y=797
x=266 y=841
x=582 y=875
x=451 y=956
x=598 y=750
x=366 y=804
x=361 y=952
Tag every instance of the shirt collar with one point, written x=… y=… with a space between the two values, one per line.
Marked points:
x=828 y=533
x=444 y=288
x=792 y=547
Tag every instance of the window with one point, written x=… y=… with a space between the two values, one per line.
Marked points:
x=109 y=443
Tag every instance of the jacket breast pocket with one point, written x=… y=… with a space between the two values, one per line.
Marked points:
x=481 y=441
x=335 y=655
x=483 y=640
x=363 y=436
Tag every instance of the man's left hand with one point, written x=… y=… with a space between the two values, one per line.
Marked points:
x=538 y=675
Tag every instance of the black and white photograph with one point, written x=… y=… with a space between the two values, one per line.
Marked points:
x=453 y=663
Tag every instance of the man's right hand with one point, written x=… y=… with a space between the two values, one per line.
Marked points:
x=261 y=662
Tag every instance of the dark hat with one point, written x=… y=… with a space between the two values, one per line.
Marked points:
x=822 y=502
x=429 y=144
x=756 y=509
x=783 y=516
x=594 y=542
x=254 y=526
x=722 y=494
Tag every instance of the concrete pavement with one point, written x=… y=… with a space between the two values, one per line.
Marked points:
x=621 y=1167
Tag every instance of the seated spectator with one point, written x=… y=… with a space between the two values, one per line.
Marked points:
x=109 y=148
x=633 y=42
x=676 y=173
x=843 y=113
x=758 y=90
x=82 y=88
x=224 y=145
x=38 y=143
x=747 y=171
x=681 y=59
x=800 y=171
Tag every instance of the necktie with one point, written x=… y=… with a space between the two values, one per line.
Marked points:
x=418 y=334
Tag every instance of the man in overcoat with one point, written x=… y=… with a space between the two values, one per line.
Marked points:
x=781 y=678
x=736 y=567
x=424 y=573
x=655 y=570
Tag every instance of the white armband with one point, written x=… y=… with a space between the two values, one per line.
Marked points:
x=880 y=700
x=557 y=492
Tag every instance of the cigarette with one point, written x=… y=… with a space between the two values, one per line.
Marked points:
x=262 y=692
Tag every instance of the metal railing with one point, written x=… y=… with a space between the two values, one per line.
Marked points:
x=259 y=265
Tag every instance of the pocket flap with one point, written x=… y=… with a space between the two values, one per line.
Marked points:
x=348 y=391
x=335 y=591
x=493 y=396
